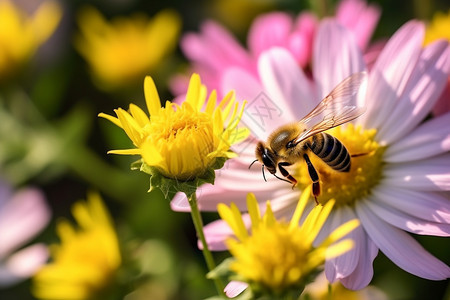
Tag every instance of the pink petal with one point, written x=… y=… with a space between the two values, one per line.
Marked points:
x=360 y=18
x=248 y=88
x=301 y=40
x=391 y=73
x=401 y=248
x=429 y=206
x=407 y=222
x=363 y=273
x=286 y=85
x=269 y=30
x=342 y=266
x=215 y=47
x=234 y=288
x=336 y=56
x=432 y=174
x=429 y=139
x=21 y=218
x=217 y=232
x=23 y=264
x=423 y=89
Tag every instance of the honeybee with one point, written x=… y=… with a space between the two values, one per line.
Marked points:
x=290 y=143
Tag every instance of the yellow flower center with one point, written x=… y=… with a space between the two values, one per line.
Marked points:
x=365 y=172
x=438 y=28
x=274 y=257
x=185 y=137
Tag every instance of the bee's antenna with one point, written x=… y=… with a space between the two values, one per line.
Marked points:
x=264 y=176
x=252 y=163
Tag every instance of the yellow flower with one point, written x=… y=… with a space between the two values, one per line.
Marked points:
x=21 y=35
x=439 y=28
x=277 y=256
x=121 y=52
x=86 y=260
x=320 y=289
x=182 y=141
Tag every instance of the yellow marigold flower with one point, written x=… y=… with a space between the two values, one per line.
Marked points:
x=438 y=28
x=21 y=35
x=85 y=262
x=186 y=141
x=121 y=52
x=278 y=257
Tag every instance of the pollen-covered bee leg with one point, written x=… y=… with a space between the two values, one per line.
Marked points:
x=314 y=177
x=286 y=174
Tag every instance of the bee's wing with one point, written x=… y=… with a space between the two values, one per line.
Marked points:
x=335 y=109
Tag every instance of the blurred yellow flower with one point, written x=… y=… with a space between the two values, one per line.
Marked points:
x=21 y=35
x=182 y=141
x=438 y=28
x=121 y=52
x=320 y=290
x=278 y=257
x=86 y=260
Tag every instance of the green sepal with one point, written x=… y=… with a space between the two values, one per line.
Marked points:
x=171 y=186
x=222 y=271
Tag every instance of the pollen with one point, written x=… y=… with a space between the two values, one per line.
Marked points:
x=365 y=172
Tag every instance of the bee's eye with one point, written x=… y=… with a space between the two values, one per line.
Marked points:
x=290 y=144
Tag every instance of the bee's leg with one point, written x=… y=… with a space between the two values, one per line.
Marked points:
x=314 y=177
x=286 y=174
x=361 y=154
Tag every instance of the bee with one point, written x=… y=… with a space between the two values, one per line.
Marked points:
x=293 y=142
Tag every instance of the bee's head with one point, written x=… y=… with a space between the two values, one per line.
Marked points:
x=267 y=157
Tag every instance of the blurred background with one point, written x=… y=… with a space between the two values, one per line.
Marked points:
x=55 y=82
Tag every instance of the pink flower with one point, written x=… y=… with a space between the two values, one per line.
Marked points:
x=401 y=185
x=214 y=50
x=22 y=216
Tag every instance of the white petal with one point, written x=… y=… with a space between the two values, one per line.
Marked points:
x=431 y=174
x=429 y=139
x=247 y=87
x=234 y=288
x=401 y=248
x=424 y=205
x=391 y=72
x=423 y=89
x=286 y=85
x=407 y=222
x=363 y=273
x=335 y=56
x=343 y=265
x=23 y=264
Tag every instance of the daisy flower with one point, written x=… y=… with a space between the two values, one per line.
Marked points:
x=400 y=186
x=278 y=257
x=214 y=50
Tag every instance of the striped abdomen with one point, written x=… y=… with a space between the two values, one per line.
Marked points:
x=331 y=151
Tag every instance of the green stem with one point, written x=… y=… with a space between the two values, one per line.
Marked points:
x=198 y=224
x=330 y=294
